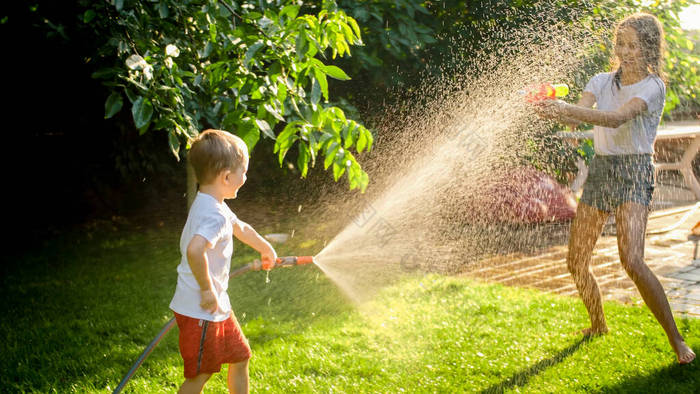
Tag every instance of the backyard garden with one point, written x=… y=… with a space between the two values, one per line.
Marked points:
x=393 y=141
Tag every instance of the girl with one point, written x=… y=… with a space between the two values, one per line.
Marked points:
x=630 y=102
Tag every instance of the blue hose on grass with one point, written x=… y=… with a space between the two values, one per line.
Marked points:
x=145 y=354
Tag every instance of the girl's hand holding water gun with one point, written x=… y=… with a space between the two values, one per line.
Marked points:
x=550 y=109
x=555 y=110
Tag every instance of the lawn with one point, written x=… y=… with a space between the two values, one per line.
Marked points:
x=78 y=311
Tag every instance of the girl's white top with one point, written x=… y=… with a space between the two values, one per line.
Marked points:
x=213 y=221
x=637 y=135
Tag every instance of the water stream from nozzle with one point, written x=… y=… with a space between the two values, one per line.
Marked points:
x=428 y=185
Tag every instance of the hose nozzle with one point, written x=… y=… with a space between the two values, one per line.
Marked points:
x=286 y=261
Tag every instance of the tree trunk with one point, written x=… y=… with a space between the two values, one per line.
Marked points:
x=191 y=185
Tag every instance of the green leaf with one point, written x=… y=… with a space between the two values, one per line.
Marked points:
x=336 y=123
x=88 y=16
x=174 y=144
x=323 y=82
x=285 y=140
x=348 y=135
x=315 y=91
x=330 y=154
x=355 y=28
x=203 y=54
x=141 y=110
x=338 y=170
x=318 y=117
x=324 y=141
x=131 y=96
x=339 y=114
x=163 y=10
x=265 y=22
x=303 y=159
x=272 y=111
x=212 y=32
x=365 y=139
x=370 y=138
x=302 y=46
x=364 y=181
x=249 y=134
x=688 y=43
x=281 y=92
x=119 y=5
x=265 y=128
x=296 y=107
x=336 y=72
x=250 y=53
x=113 y=104
x=291 y=11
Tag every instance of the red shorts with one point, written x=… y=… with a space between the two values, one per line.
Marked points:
x=205 y=345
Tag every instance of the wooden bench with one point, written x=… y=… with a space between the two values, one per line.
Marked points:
x=669 y=131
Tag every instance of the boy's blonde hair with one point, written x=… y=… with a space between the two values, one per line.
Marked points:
x=650 y=32
x=214 y=151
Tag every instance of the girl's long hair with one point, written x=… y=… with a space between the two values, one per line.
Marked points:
x=651 y=38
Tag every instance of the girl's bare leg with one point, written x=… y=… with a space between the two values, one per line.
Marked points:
x=585 y=230
x=238 y=378
x=631 y=219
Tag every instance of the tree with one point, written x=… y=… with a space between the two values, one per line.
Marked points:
x=251 y=68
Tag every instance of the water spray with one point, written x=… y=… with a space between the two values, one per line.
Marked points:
x=257 y=265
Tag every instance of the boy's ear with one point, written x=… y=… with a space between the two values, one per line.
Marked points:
x=225 y=175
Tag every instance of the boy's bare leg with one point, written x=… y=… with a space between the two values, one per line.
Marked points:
x=631 y=219
x=194 y=385
x=238 y=378
x=585 y=230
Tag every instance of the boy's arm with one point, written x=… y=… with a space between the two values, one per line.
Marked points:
x=246 y=234
x=197 y=259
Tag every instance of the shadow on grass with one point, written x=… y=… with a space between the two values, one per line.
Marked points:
x=674 y=378
x=521 y=378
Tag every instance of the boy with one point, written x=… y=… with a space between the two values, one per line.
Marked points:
x=209 y=333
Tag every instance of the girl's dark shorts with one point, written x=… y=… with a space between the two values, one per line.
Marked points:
x=614 y=180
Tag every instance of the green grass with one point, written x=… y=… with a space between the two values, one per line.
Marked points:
x=78 y=311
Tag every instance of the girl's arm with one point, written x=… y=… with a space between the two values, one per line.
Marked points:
x=611 y=119
x=586 y=101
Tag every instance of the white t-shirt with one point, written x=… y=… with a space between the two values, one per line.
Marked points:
x=213 y=221
x=637 y=135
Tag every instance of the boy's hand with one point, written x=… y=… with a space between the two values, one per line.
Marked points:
x=209 y=301
x=268 y=258
x=250 y=237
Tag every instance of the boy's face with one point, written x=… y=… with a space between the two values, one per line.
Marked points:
x=235 y=179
